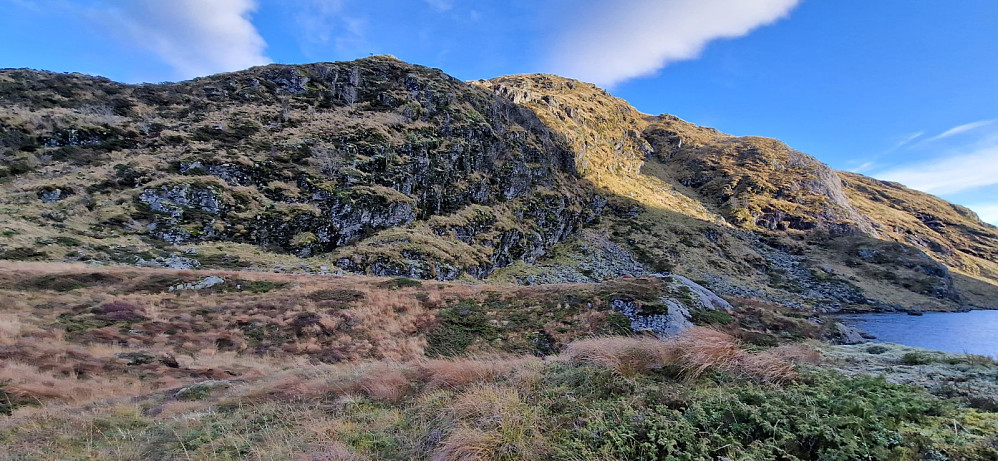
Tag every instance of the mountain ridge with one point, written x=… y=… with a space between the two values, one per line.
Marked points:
x=381 y=167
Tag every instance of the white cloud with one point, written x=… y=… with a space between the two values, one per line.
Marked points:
x=865 y=166
x=988 y=212
x=906 y=140
x=962 y=129
x=615 y=41
x=194 y=37
x=950 y=174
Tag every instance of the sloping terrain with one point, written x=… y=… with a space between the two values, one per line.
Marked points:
x=149 y=363
x=380 y=167
x=749 y=216
x=139 y=363
x=375 y=166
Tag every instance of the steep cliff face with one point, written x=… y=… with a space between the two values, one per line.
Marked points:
x=306 y=160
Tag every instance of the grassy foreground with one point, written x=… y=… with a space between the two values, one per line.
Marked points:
x=610 y=398
x=106 y=363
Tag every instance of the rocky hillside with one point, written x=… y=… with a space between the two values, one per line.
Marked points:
x=752 y=217
x=380 y=167
x=374 y=166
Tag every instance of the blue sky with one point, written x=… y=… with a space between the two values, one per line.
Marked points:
x=902 y=90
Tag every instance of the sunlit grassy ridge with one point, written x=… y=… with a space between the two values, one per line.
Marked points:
x=708 y=198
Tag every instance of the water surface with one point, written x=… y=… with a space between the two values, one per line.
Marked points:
x=974 y=332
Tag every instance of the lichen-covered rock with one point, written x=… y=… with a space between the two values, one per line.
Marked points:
x=176 y=199
x=169 y=262
x=704 y=298
x=203 y=284
x=674 y=320
x=671 y=314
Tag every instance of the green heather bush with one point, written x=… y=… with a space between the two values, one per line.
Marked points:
x=916 y=358
x=876 y=350
x=400 y=282
x=460 y=325
x=826 y=416
x=706 y=317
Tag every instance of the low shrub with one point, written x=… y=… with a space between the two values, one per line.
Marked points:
x=459 y=326
x=916 y=358
x=336 y=297
x=709 y=317
x=400 y=282
x=69 y=282
x=876 y=349
x=23 y=254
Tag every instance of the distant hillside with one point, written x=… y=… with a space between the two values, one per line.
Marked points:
x=752 y=217
x=381 y=167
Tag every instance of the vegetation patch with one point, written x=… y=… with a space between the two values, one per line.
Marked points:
x=253 y=286
x=400 y=282
x=23 y=254
x=916 y=358
x=10 y=400
x=711 y=317
x=876 y=349
x=69 y=281
x=459 y=326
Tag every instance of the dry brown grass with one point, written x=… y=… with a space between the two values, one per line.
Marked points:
x=625 y=355
x=461 y=372
x=796 y=353
x=29 y=382
x=390 y=381
x=494 y=423
x=10 y=328
x=332 y=451
x=695 y=352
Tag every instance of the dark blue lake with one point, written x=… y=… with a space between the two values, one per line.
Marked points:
x=974 y=332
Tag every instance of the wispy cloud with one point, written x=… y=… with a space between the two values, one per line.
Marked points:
x=614 y=41
x=907 y=139
x=949 y=174
x=988 y=212
x=963 y=129
x=315 y=19
x=869 y=163
x=863 y=167
x=194 y=37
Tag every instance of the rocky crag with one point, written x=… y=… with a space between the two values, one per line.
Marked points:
x=375 y=166
x=380 y=167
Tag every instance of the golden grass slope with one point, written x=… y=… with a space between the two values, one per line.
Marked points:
x=605 y=134
x=761 y=185
x=949 y=233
